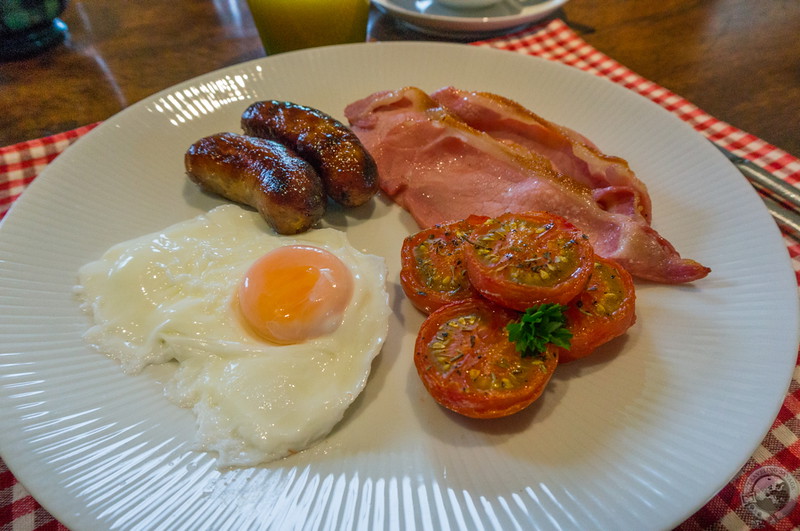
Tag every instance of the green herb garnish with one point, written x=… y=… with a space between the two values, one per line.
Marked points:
x=538 y=327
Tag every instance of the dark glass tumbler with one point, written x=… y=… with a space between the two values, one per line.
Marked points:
x=30 y=26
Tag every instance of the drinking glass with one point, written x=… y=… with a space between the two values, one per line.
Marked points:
x=285 y=25
x=30 y=26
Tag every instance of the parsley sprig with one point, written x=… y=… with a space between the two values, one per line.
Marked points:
x=539 y=326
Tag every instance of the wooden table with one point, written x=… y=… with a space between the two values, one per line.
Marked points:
x=739 y=60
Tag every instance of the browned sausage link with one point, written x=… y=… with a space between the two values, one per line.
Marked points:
x=348 y=171
x=260 y=173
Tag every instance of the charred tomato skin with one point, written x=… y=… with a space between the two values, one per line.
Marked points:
x=521 y=260
x=604 y=310
x=432 y=270
x=467 y=364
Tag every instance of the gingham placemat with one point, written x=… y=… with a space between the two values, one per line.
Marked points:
x=739 y=505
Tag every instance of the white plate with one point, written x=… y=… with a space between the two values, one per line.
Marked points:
x=637 y=437
x=436 y=19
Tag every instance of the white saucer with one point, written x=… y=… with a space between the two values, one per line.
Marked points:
x=436 y=19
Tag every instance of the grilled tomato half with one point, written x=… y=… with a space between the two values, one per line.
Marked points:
x=467 y=363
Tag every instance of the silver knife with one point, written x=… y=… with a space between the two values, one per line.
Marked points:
x=757 y=175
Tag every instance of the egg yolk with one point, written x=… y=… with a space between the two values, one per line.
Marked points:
x=295 y=293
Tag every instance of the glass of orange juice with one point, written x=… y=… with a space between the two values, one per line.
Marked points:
x=285 y=25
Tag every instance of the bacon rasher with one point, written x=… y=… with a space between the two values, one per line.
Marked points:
x=614 y=185
x=440 y=169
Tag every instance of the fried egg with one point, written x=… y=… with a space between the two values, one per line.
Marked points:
x=273 y=336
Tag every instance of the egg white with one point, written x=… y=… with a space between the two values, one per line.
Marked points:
x=167 y=297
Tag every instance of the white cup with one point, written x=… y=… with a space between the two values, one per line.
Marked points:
x=467 y=4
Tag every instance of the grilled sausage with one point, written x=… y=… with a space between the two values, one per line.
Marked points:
x=260 y=173
x=348 y=171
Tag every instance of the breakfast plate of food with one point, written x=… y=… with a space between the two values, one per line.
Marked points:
x=440 y=18
x=507 y=295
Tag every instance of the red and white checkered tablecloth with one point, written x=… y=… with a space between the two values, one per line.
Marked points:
x=780 y=449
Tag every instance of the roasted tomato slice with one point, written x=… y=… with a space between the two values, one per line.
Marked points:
x=432 y=270
x=468 y=365
x=521 y=260
x=605 y=309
